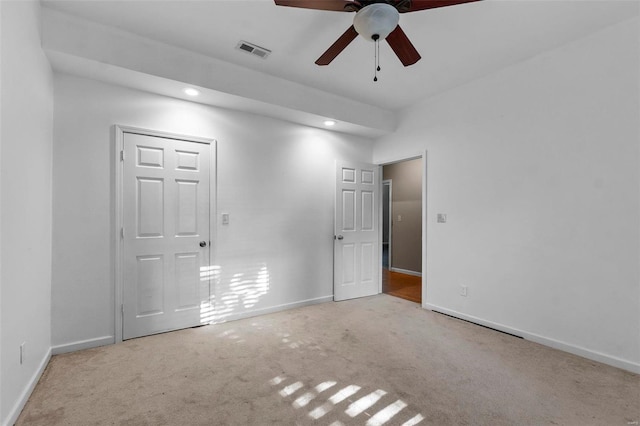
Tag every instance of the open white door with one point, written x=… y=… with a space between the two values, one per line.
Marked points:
x=165 y=234
x=356 y=243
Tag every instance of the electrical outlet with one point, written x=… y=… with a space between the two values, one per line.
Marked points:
x=23 y=354
x=463 y=290
x=399 y=218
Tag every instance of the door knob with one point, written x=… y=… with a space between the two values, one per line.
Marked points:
x=203 y=243
x=340 y=237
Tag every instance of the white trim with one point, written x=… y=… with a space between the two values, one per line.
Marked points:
x=400 y=159
x=118 y=137
x=388 y=182
x=425 y=193
x=117 y=240
x=546 y=341
x=380 y=235
x=425 y=169
x=83 y=344
x=406 y=272
x=272 y=309
x=213 y=213
x=162 y=134
x=26 y=393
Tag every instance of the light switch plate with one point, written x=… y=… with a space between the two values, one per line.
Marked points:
x=442 y=218
x=225 y=218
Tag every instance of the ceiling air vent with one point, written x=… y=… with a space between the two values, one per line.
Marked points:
x=253 y=49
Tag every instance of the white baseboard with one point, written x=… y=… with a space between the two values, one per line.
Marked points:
x=272 y=309
x=109 y=340
x=83 y=344
x=26 y=393
x=546 y=341
x=406 y=272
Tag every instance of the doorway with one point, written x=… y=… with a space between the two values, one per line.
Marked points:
x=402 y=229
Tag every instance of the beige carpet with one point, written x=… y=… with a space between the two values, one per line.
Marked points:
x=378 y=360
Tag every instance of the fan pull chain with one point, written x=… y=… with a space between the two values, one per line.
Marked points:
x=376 y=57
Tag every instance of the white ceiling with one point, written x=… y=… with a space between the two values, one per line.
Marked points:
x=458 y=44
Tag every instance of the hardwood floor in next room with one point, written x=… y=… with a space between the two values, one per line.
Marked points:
x=408 y=287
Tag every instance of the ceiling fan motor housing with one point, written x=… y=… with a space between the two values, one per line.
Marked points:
x=376 y=21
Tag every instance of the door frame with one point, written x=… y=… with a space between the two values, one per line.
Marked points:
x=425 y=169
x=118 y=221
x=389 y=183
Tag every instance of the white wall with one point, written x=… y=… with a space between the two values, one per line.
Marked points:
x=275 y=179
x=25 y=198
x=537 y=168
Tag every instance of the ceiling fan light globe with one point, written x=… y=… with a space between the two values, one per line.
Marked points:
x=376 y=19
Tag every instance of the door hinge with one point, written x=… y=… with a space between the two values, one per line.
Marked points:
x=122 y=155
x=122 y=309
x=122 y=232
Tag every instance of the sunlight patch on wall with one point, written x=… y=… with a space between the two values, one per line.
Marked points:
x=244 y=291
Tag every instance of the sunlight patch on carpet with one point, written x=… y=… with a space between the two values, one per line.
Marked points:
x=376 y=408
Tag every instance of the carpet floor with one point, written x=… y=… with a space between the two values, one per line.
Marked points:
x=371 y=361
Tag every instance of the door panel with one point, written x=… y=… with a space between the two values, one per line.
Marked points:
x=188 y=280
x=165 y=217
x=368 y=262
x=150 y=157
x=367 y=211
x=348 y=264
x=348 y=210
x=150 y=200
x=149 y=285
x=356 y=231
x=187 y=224
x=187 y=160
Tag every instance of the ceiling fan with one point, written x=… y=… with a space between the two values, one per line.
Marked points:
x=375 y=20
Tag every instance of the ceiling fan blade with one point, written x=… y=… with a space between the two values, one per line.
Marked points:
x=335 y=5
x=400 y=44
x=340 y=44
x=432 y=4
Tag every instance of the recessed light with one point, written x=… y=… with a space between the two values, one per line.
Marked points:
x=191 y=92
x=330 y=123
